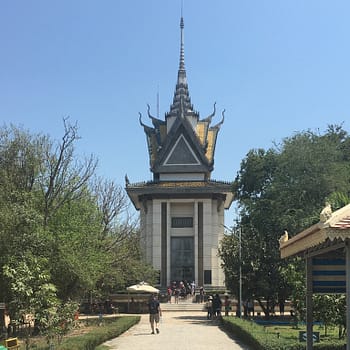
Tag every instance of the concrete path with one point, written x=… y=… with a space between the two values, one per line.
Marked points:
x=178 y=331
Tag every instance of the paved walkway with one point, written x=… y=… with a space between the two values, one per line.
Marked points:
x=178 y=331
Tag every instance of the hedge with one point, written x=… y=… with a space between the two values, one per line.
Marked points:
x=110 y=329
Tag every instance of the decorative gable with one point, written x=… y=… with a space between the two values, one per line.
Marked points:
x=181 y=154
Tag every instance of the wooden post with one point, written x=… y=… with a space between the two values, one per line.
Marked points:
x=347 y=262
x=309 y=306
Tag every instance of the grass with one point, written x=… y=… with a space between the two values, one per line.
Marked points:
x=279 y=337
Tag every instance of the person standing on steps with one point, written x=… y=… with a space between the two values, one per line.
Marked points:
x=201 y=294
x=217 y=304
x=227 y=305
x=210 y=308
x=155 y=313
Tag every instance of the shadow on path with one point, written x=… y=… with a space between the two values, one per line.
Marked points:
x=198 y=320
x=216 y=323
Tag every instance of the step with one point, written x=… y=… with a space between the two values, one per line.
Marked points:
x=183 y=307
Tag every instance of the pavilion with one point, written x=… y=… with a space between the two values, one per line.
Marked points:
x=325 y=247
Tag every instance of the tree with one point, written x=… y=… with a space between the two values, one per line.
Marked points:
x=112 y=203
x=76 y=247
x=294 y=275
x=20 y=221
x=121 y=240
x=77 y=228
x=62 y=178
x=31 y=291
x=283 y=188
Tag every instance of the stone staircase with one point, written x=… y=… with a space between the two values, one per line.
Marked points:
x=183 y=305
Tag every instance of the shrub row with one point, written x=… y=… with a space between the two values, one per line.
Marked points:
x=99 y=335
x=111 y=328
x=254 y=336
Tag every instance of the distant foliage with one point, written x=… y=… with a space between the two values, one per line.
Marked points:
x=282 y=189
x=65 y=234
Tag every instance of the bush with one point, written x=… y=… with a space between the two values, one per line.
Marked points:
x=111 y=328
x=335 y=345
x=99 y=335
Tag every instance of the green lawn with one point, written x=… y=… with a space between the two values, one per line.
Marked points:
x=279 y=336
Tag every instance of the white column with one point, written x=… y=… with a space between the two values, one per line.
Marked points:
x=156 y=234
x=195 y=245
x=168 y=220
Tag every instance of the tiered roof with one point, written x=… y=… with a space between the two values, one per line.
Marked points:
x=182 y=137
x=140 y=192
x=181 y=151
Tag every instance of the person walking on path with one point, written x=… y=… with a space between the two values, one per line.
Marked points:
x=155 y=313
x=217 y=304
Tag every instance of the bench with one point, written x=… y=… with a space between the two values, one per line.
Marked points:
x=12 y=344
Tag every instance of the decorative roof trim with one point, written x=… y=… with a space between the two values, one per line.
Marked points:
x=181 y=127
x=155 y=121
x=210 y=117
x=217 y=126
x=335 y=228
x=180 y=189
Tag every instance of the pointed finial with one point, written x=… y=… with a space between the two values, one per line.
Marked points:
x=181 y=89
x=182 y=50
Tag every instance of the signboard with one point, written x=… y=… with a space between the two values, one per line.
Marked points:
x=315 y=336
x=328 y=275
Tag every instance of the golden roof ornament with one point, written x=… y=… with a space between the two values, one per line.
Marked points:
x=326 y=213
x=284 y=238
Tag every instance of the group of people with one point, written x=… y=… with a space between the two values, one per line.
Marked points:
x=214 y=306
x=181 y=289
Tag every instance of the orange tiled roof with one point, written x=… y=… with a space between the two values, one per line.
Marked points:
x=343 y=223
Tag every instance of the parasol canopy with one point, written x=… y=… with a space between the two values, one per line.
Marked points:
x=142 y=287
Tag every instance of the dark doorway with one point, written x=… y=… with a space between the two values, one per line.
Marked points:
x=182 y=259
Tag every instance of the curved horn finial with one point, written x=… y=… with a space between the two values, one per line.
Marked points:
x=148 y=111
x=223 y=115
x=140 y=117
x=212 y=115
x=222 y=120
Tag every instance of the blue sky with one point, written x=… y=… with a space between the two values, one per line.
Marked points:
x=277 y=67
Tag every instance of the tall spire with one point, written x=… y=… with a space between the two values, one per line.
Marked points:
x=182 y=72
x=181 y=105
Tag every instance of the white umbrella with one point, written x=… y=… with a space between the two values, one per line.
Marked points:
x=142 y=287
